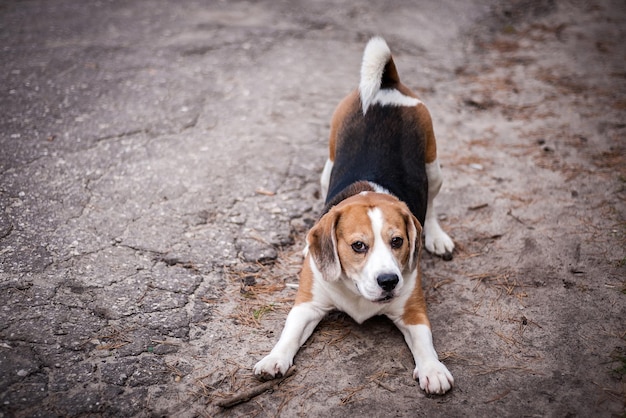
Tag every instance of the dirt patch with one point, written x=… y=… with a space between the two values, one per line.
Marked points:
x=530 y=312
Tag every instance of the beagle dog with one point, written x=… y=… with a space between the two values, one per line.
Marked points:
x=363 y=255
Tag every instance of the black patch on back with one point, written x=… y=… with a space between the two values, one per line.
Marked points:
x=384 y=147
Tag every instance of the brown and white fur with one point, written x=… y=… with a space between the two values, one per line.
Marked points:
x=363 y=255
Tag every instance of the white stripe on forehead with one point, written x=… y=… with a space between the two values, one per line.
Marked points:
x=381 y=254
x=376 y=216
x=380 y=259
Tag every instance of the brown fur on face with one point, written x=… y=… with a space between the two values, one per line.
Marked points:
x=330 y=240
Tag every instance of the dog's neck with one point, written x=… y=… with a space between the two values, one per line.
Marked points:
x=351 y=190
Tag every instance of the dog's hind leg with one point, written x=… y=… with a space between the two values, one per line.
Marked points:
x=437 y=241
x=325 y=178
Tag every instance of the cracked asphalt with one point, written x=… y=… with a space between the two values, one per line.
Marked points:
x=127 y=179
x=159 y=166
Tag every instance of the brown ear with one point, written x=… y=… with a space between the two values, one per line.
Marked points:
x=322 y=241
x=414 y=232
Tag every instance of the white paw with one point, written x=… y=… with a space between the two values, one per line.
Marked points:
x=437 y=241
x=272 y=366
x=434 y=377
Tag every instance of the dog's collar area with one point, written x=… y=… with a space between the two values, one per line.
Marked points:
x=357 y=188
x=349 y=191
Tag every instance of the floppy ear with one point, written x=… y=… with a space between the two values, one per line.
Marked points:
x=322 y=243
x=414 y=232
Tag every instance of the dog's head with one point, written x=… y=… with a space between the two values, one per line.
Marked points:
x=371 y=240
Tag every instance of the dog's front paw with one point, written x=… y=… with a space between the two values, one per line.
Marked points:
x=272 y=366
x=434 y=377
x=437 y=241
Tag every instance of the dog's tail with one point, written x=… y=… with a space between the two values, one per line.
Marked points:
x=377 y=71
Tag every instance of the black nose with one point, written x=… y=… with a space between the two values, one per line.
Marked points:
x=387 y=282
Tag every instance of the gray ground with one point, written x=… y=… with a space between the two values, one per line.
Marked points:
x=159 y=167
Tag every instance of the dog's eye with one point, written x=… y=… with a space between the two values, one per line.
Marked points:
x=359 y=247
x=396 y=242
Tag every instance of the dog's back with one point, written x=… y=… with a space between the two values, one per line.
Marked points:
x=381 y=134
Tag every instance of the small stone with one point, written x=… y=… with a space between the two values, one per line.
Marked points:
x=249 y=281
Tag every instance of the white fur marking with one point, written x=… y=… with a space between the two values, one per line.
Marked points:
x=392 y=97
x=301 y=322
x=325 y=179
x=436 y=240
x=434 y=377
x=375 y=57
x=378 y=188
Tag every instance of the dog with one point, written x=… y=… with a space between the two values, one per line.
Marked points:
x=362 y=256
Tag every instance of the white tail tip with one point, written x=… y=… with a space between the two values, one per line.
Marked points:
x=375 y=57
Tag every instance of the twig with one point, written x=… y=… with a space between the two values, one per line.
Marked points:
x=500 y=396
x=504 y=369
x=384 y=386
x=164 y=342
x=510 y=213
x=255 y=391
x=478 y=207
x=264 y=191
x=351 y=392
